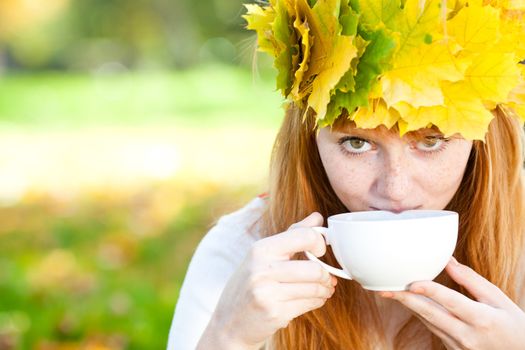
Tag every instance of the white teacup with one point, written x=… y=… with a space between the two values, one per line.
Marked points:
x=387 y=251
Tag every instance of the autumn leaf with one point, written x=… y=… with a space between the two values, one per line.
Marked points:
x=513 y=25
x=304 y=30
x=347 y=82
x=417 y=74
x=475 y=27
x=335 y=67
x=379 y=13
x=349 y=19
x=519 y=109
x=260 y=20
x=513 y=4
x=377 y=113
x=417 y=23
x=517 y=96
x=373 y=63
x=331 y=53
x=454 y=6
x=412 y=118
x=463 y=111
x=286 y=38
x=493 y=75
x=324 y=26
x=399 y=61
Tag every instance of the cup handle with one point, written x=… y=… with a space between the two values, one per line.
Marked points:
x=334 y=271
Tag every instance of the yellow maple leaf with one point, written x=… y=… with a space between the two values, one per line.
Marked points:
x=513 y=4
x=376 y=114
x=517 y=94
x=324 y=27
x=379 y=13
x=464 y=112
x=513 y=25
x=402 y=126
x=475 y=27
x=333 y=69
x=330 y=55
x=493 y=75
x=261 y=19
x=411 y=119
x=417 y=23
x=417 y=73
x=517 y=97
x=304 y=31
x=519 y=109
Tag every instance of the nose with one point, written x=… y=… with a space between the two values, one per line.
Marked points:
x=393 y=183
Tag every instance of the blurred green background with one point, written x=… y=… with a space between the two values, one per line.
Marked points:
x=127 y=128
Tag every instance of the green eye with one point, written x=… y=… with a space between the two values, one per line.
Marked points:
x=357 y=143
x=431 y=141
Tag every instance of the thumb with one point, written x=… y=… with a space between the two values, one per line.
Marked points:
x=314 y=219
x=298 y=238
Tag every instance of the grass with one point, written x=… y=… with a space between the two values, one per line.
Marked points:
x=204 y=97
x=102 y=269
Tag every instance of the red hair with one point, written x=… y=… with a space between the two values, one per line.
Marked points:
x=490 y=201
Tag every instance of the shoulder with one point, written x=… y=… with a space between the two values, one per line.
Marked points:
x=236 y=229
x=226 y=244
x=217 y=257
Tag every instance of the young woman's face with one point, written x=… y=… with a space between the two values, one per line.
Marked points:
x=378 y=170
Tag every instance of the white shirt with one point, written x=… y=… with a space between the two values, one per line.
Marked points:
x=218 y=255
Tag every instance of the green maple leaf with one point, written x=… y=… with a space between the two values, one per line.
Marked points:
x=416 y=23
x=331 y=52
x=379 y=13
x=373 y=62
x=260 y=19
x=286 y=37
x=349 y=19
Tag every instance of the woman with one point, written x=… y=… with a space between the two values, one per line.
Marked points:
x=442 y=135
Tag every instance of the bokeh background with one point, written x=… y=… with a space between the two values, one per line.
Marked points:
x=127 y=128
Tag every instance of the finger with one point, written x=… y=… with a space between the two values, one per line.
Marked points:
x=284 y=245
x=295 y=308
x=431 y=312
x=447 y=340
x=483 y=290
x=294 y=291
x=314 y=219
x=454 y=302
x=293 y=271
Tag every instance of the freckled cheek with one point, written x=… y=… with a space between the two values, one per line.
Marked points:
x=439 y=184
x=350 y=182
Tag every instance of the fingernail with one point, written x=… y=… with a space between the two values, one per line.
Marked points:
x=334 y=281
x=454 y=261
x=386 y=294
x=418 y=290
x=315 y=213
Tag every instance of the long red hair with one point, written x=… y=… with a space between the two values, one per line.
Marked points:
x=490 y=202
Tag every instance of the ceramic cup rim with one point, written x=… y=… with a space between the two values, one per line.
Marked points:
x=426 y=214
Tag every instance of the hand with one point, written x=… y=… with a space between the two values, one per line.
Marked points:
x=269 y=289
x=492 y=321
